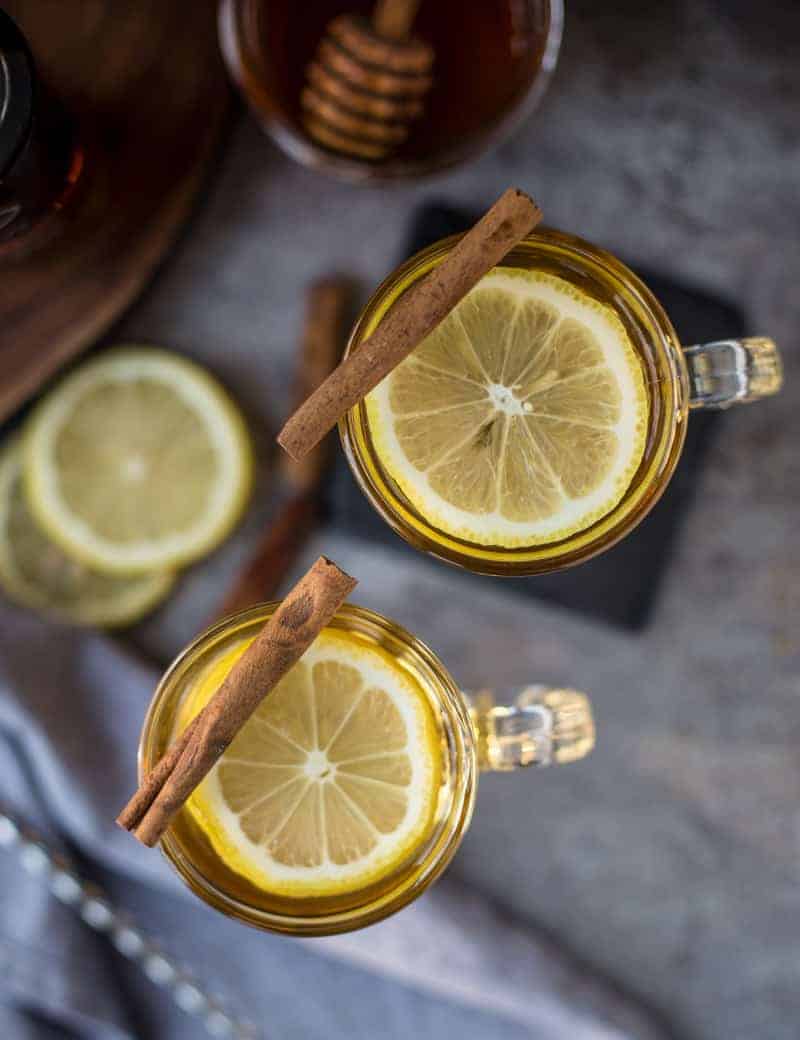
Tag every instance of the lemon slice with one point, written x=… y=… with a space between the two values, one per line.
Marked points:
x=333 y=783
x=521 y=419
x=138 y=461
x=35 y=573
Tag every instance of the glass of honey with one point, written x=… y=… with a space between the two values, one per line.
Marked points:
x=493 y=60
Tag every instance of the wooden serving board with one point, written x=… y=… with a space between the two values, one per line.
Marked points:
x=145 y=80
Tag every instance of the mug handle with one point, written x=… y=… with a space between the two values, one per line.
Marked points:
x=732 y=371
x=543 y=727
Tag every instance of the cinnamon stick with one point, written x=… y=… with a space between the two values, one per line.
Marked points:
x=322 y=346
x=415 y=315
x=274 y=556
x=136 y=809
x=282 y=641
x=286 y=532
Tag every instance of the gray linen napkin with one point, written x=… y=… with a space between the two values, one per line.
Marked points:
x=71 y=705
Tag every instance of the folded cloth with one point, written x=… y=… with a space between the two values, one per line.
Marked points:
x=71 y=705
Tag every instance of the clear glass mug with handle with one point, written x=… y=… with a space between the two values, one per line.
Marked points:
x=674 y=380
x=540 y=727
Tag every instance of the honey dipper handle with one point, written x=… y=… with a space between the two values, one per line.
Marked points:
x=394 y=18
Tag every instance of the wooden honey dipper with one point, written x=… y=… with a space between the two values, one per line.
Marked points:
x=367 y=81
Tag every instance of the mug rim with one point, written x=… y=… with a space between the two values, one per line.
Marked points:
x=440 y=847
x=604 y=533
x=301 y=149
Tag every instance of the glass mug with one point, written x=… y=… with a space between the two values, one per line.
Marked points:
x=542 y=727
x=711 y=375
x=488 y=77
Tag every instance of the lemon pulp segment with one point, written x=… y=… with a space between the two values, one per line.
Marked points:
x=521 y=419
x=333 y=782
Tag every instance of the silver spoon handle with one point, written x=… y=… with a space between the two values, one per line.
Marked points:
x=91 y=904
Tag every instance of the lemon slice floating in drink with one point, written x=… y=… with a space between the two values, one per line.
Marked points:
x=521 y=419
x=137 y=461
x=35 y=573
x=333 y=782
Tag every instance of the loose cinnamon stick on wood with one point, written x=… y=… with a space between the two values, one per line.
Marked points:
x=283 y=640
x=415 y=315
x=277 y=549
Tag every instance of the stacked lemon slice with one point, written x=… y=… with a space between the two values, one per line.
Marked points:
x=132 y=466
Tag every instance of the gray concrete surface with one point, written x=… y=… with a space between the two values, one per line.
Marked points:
x=669 y=859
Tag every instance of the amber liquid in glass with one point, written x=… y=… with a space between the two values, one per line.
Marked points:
x=603 y=278
x=487 y=53
x=205 y=871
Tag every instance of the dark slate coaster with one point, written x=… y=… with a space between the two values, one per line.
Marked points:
x=621 y=586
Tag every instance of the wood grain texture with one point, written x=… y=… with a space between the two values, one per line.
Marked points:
x=147 y=87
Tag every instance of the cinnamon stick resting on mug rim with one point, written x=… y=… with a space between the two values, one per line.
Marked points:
x=282 y=641
x=413 y=317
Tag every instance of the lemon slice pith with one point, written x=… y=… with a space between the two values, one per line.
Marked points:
x=137 y=461
x=521 y=419
x=332 y=783
x=35 y=573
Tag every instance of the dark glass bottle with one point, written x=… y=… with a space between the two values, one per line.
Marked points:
x=40 y=160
